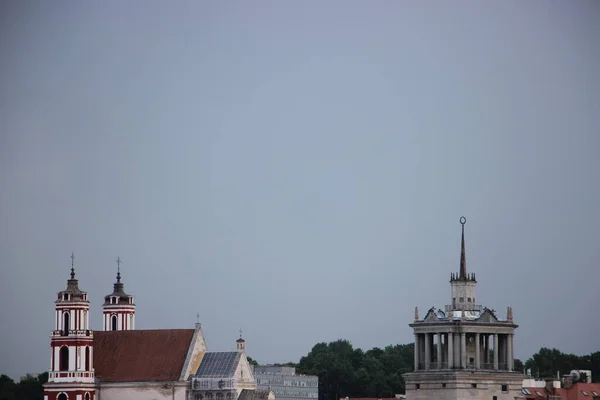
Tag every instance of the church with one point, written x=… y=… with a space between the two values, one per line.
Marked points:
x=122 y=363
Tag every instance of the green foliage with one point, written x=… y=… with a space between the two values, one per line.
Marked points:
x=28 y=388
x=345 y=371
x=547 y=362
x=519 y=366
x=252 y=361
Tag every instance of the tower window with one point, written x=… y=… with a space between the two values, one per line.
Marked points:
x=461 y=300
x=65 y=297
x=87 y=396
x=66 y=324
x=87 y=358
x=417 y=386
x=62 y=396
x=468 y=299
x=474 y=385
x=505 y=388
x=114 y=323
x=64 y=359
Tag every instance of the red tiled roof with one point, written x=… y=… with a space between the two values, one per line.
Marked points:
x=141 y=355
x=576 y=391
x=573 y=393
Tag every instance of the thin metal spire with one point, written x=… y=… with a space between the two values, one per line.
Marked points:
x=197 y=318
x=72 y=265
x=118 y=269
x=463 y=258
x=240 y=333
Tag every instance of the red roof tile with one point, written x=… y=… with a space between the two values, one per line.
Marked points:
x=141 y=355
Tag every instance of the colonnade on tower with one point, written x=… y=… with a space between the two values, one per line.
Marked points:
x=464 y=350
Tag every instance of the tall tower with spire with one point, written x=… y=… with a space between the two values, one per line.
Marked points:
x=465 y=351
x=71 y=374
x=118 y=308
x=463 y=284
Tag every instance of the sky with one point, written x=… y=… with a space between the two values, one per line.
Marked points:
x=297 y=170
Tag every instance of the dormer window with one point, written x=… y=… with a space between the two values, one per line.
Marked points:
x=85 y=296
x=65 y=297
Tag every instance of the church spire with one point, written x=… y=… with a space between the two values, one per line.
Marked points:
x=118 y=269
x=463 y=259
x=72 y=265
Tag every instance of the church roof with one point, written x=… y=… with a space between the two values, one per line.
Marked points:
x=247 y=394
x=141 y=355
x=218 y=364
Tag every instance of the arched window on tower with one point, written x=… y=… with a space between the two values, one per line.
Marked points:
x=114 y=323
x=62 y=396
x=64 y=358
x=87 y=358
x=87 y=396
x=66 y=324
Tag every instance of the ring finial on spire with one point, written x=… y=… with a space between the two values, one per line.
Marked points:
x=463 y=221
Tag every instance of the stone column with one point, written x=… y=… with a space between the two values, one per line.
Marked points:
x=417 y=350
x=450 y=346
x=439 y=350
x=477 y=352
x=496 y=350
x=427 y=353
x=510 y=350
x=463 y=350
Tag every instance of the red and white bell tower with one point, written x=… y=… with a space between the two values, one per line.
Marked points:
x=118 y=308
x=71 y=375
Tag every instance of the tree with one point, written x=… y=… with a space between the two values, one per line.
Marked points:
x=518 y=365
x=7 y=388
x=252 y=361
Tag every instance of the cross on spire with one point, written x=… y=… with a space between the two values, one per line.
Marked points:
x=240 y=333
x=72 y=265
x=197 y=318
x=118 y=269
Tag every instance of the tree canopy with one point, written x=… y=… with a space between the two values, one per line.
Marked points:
x=546 y=363
x=28 y=388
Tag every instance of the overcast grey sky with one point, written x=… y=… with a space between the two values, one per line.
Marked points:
x=298 y=169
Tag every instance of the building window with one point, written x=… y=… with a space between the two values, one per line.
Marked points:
x=453 y=302
x=62 y=396
x=495 y=398
x=505 y=388
x=468 y=299
x=443 y=385
x=113 y=323
x=87 y=396
x=461 y=300
x=474 y=385
x=87 y=358
x=64 y=359
x=66 y=324
x=65 y=298
x=418 y=386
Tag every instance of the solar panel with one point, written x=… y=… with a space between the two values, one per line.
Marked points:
x=218 y=364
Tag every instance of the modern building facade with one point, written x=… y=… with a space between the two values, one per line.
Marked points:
x=285 y=383
x=464 y=351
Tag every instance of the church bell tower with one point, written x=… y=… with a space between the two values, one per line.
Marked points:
x=71 y=375
x=118 y=308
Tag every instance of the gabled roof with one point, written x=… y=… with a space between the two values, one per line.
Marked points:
x=218 y=364
x=247 y=394
x=141 y=355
